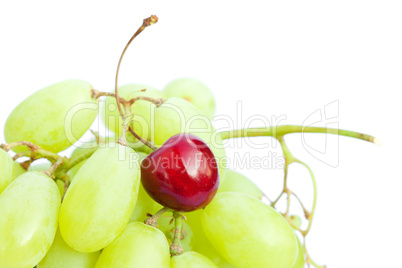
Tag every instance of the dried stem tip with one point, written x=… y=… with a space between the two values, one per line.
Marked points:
x=151 y=20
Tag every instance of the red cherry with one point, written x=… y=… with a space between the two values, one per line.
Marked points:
x=182 y=174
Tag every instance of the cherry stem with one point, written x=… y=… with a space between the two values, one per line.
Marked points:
x=280 y=131
x=153 y=220
x=175 y=247
x=147 y=22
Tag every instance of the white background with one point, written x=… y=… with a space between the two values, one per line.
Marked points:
x=282 y=58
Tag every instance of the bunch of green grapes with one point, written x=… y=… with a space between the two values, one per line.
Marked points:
x=104 y=207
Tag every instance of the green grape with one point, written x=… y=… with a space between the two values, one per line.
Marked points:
x=191 y=260
x=145 y=204
x=8 y=170
x=225 y=264
x=29 y=209
x=138 y=146
x=141 y=155
x=296 y=221
x=88 y=146
x=236 y=182
x=60 y=255
x=46 y=166
x=176 y=116
x=60 y=184
x=193 y=91
x=200 y=242
x=43 y=167
x=202 y=245
x=40 y=166
x=91 y=144
x=18 y=169
x=167 y=226
x=73 y=171
x=140 y=246
x=300 y=256
x=249 y=233
x=84 y=147
x=141 y=109
x=100 y=199
x=54 y=117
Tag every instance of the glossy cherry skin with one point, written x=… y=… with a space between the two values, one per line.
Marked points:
x=182 y=174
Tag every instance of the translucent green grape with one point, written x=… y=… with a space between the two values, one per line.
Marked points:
x=9 y=170
x=60 y=185
x=54 y=117
x=191 y=260
x=242 y=229
x=193 y=91
x=29 y=210
x=141 y=109
x=236 y=182
x=18 y=170
x=73 y=171
x=40 y=166
x=167 y=226
x=60 y=255
x=295 y=220
x=92 y=144
x=140 y=246
x=200 y=242
x=225 y=264
x=145 y=204
x=43 y=166
x=142 y=155
x=86 y=147
x=300 y=256
x=100 y=199
x=176 y=116
x=204 y=246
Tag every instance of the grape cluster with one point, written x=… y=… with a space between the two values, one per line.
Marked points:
x=155 y=194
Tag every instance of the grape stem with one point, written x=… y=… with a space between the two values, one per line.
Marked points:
x=8 y=147
x=158 y=101
x=125 y=124
x=34 y=152
x=279 y=133
x=25 y=165
x=50 y=172
x=96 y=135
x=153 y=219
x=175 y=247
x=147 y=22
